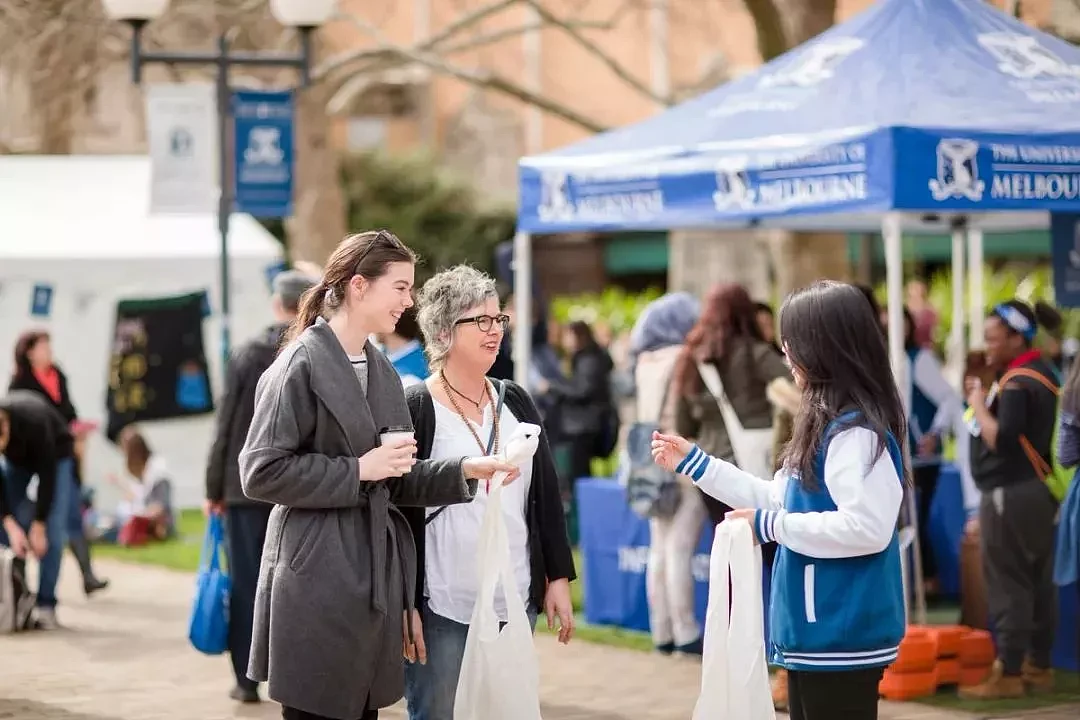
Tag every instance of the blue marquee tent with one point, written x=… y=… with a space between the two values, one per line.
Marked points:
x=915 y=114
x=926 y=106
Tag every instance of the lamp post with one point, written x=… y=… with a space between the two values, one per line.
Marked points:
x=304 y=15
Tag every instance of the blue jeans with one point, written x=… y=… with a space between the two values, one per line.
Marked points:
x=430 y=689
x=56 y=526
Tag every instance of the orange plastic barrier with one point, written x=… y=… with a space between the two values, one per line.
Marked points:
x=899 y=686
x=918 y=652
x=976 y=649
x=932 y=657
x=948 y=671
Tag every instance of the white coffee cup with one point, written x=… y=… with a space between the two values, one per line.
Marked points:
x=392 y=435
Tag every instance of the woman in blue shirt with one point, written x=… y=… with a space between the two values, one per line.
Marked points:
x=837 y=607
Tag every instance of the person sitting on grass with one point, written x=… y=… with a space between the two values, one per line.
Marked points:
x=147 y=505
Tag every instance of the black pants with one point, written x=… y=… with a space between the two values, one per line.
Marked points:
x=581 y=455
x=288 y=713
x=846 y=695
x=1016 y=526
x=925 y=478
x=246 y=529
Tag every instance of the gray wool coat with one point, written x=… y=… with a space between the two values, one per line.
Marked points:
x=339 y=563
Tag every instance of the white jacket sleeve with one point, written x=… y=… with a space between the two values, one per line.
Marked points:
x=868 y=495
x=730 y=485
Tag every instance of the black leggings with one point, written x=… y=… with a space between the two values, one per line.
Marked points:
x=846 y=695
x=288 y=713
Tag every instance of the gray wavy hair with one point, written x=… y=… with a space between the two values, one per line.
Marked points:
x=443 y=300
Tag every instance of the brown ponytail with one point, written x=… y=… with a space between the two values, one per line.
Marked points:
x=311 y=307
x=368 y=254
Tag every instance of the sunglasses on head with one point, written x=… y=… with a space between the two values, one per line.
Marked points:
x=484 y=323
x=380 y=236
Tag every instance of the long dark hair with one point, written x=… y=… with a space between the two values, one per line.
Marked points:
x=27 y=342
x=728 y=313
x=832 y=336
x=367 y=254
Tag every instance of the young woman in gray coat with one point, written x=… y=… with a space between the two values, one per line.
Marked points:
x=333 y=609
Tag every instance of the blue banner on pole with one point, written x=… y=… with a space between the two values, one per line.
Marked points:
x=41 y=300
x=263 y=131
x=1065 y=257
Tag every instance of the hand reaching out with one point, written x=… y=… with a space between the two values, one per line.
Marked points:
x=669 y=450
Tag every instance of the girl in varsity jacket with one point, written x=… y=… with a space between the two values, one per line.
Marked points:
x=837 y=605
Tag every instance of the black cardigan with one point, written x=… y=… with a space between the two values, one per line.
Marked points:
x=28 y=381
x=550 y=557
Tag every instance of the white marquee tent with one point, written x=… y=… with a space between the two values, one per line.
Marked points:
x=81 y=225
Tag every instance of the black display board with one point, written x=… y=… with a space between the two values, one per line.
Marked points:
x=158 y=366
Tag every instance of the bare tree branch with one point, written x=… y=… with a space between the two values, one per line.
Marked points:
x=590 y=47
x=463 y=23
x=479 y=78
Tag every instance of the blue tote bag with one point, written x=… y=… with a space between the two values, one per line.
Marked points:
x=209 y=627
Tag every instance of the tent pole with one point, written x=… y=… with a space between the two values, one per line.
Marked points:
x=956 y=334
x=975 y=288
x=522 y=338
x=892 y=234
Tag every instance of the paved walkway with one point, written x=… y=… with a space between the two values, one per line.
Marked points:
x=124 y=656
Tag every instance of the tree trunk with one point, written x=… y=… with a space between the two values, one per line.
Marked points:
x=318 y=222
x=798 y=259
x=699 y=259
x=803 y=258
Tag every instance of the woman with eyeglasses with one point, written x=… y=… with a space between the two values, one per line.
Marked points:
x=459 y=410
x=331 y=446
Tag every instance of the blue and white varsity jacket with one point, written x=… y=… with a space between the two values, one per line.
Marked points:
x=837 y=593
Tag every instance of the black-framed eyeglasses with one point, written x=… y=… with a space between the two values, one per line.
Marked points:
x=484 y=323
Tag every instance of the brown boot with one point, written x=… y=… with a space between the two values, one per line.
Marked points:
x=1036 y=679
x=779 y=690
x=997 y=686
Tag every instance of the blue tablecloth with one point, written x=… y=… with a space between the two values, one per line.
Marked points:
x=615 y=545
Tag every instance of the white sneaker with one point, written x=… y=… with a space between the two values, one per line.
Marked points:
x=46 y=619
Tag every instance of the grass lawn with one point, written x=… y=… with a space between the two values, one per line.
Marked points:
x=183 y=554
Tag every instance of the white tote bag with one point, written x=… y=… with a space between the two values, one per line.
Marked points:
x=753 y=448
x=734 y=676
x=500 y=676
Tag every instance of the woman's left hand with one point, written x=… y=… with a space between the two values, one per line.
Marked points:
x=748 y=515
x=415 y=651
x=557 y=603
x=485 y=468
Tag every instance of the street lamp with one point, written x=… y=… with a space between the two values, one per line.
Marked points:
x=304 y=15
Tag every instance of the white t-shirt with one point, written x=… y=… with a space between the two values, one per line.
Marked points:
x=450 y=569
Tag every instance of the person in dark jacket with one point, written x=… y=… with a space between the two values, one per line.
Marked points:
x=38 y=443
x=1011 y=426
x=246 y=519
x=584 y=398
x=36 y=372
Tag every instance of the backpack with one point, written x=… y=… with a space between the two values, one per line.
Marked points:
x=16 y=600
x=1055 y=475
